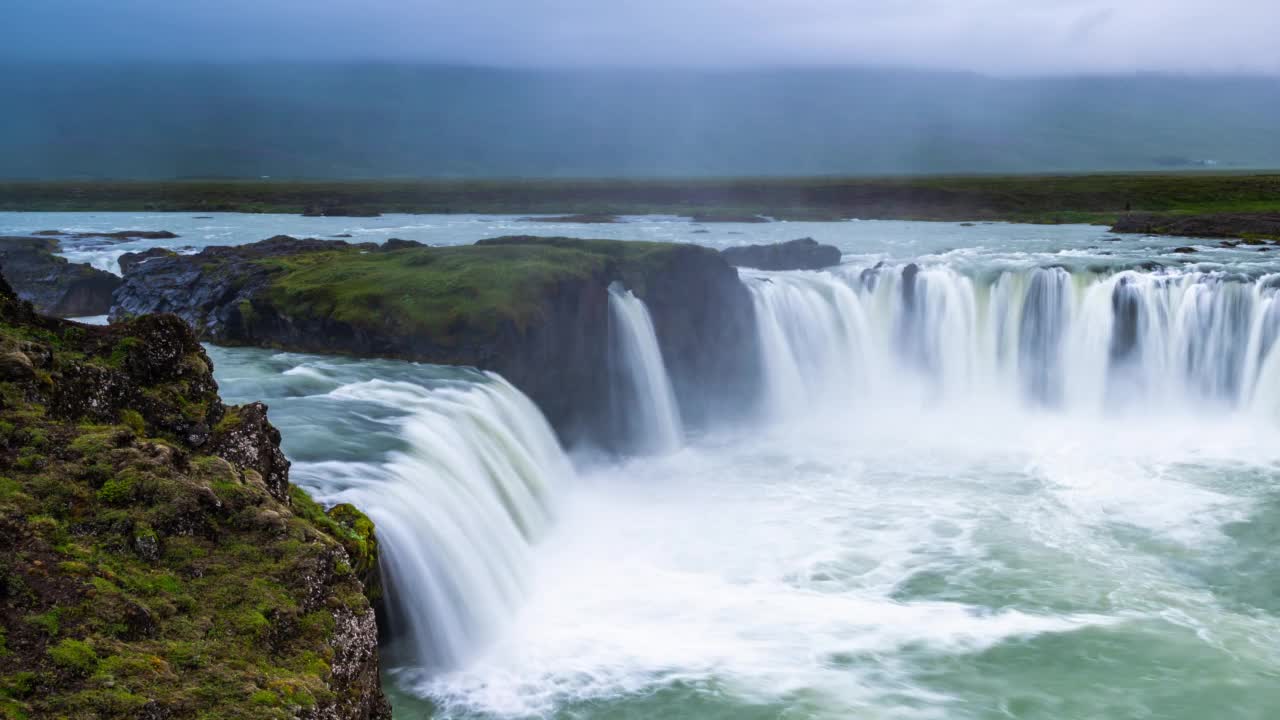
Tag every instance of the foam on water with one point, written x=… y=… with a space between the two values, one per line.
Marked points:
x=766 y=573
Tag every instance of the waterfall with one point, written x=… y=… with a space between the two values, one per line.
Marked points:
x=644 y=404
x=812 y=328
x=1039 y=337
x=457 y=512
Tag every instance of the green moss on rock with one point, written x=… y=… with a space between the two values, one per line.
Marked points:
x=147 y=568
x=441 y=292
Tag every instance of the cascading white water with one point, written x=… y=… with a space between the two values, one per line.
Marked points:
x=457 y=512
x=1042 y=337
x=644 y=403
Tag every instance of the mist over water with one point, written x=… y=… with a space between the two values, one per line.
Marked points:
x=997 y=471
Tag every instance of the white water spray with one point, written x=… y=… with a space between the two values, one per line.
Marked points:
x=645 y=405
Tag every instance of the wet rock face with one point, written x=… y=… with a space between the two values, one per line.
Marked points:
x=54 y=285
x=129 y=260
x=153 y=531
x=801 y=254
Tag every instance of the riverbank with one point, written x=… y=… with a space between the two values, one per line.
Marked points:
x=1099 y=199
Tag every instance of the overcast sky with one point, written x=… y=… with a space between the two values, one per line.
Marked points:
x=993 y=36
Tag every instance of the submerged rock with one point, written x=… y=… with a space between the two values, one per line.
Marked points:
x=339 y=211
x=113 y=235
x=585 y=218
x=156 y=561
x=53 y=284
x=132 y=235
x=801 y=254
x=728 y=218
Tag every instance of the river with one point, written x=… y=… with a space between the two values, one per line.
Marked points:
x=998 y=471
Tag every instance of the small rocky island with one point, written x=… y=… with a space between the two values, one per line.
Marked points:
x=516 y=305
x=155 y=561
x=802 y=254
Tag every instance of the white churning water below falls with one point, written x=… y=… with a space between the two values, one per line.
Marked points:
x=1000 y=474
x=644 y=404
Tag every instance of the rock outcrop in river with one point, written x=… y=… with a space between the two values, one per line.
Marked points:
x=535 y=310
x=155 y=561
x=801 y=254
x=52 y=283
x=1257 y=226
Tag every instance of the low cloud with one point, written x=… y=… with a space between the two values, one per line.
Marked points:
x=1010 y=37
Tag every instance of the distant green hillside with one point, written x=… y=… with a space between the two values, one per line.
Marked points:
x=386 y=121
x=1100 y=198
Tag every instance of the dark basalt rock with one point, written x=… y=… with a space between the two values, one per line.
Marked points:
x=52 y=283
x=728 y=218
x=1184 y=250
x=801 y=254
x=133 y=235
x=1255 y=226
x=116 y=235
x=585 y=219
x=128 y=260
x=339 y=211
x=398 y=244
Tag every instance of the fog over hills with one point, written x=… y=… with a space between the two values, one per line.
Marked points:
x=364 y=120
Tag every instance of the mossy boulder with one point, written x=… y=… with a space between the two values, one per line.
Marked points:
x=154 y=560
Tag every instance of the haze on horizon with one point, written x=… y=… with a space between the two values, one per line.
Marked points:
x=1003 y=37
x=159 y=89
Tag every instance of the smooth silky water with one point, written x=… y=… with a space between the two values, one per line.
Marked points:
x=1026 y=478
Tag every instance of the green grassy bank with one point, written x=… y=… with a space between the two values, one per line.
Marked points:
x=1097 y=198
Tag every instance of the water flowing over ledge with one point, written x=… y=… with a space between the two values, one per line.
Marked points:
x=458 y=512
x=458 y=470
x=1128 y=342
x=643 y=403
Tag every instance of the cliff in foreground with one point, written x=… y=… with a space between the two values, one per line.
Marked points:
x=155 y=562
